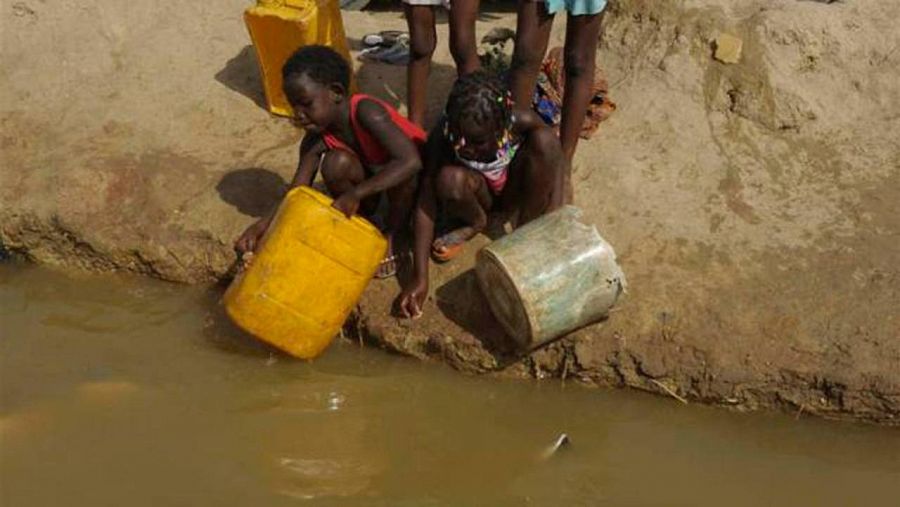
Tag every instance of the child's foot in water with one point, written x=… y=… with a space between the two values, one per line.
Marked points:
x=451 y=244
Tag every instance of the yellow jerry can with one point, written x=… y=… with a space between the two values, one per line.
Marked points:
x=306 y=276
x=278 y=27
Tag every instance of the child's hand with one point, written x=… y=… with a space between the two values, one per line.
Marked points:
x=412 y=299
x=250 y=238
x=347 y=203
x=245 y=260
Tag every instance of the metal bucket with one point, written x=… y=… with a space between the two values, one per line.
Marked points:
x=549 y=277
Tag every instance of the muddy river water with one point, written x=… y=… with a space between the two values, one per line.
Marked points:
x=124 y=391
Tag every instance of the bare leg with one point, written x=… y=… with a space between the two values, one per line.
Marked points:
x=462 y=36
x=580 y=50
x=536 y=176
x=400 y=204
x=465 y=196
x=342 y=171
x=423 y=38
x=532 y=35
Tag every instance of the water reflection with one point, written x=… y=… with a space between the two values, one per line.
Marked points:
x=117 y=390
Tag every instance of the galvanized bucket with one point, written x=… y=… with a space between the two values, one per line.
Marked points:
x=549 y=277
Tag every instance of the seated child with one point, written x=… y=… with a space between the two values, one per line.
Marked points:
x=362 y=146
x=483 y=158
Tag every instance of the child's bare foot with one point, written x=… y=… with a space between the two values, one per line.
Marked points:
x=450 y=245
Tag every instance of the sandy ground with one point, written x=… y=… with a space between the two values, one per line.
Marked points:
x=753 y=206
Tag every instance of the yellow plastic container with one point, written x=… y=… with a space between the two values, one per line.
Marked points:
x=278 y=27
x=307 y=275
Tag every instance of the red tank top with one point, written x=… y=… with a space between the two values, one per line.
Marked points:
x=373 y=153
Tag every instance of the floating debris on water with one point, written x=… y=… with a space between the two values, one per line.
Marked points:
x=561 y=441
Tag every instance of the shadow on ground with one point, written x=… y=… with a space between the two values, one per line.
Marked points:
x=253 y=191
x=382 y=80
x=241 y=74
x=388 y=82
x=461 y=301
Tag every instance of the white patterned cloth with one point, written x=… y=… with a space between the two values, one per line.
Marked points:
x=445 y=3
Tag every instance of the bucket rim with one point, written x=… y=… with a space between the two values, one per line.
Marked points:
x=486 y=255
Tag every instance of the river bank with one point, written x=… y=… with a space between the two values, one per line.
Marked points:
x=753 y=205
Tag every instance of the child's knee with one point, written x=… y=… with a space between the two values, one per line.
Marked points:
x=421 y=46
x=340 y=165
x=545 y=153
x=452 y=183
x=577 y=63
x=543 y=143
x=462 y=48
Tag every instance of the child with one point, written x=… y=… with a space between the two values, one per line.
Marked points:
x=362 y=146
x=535 y=19
x=482 y=158
x=423 y=38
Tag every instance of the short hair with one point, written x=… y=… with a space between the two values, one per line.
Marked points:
x=320 y=63
x=481 y=97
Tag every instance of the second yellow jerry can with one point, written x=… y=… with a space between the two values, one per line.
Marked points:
x=307 y=275
x=278 y=27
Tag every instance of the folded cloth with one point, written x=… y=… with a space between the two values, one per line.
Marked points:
x=495 y=50
x=396 y=53
x=548 y=95
x=383 y=38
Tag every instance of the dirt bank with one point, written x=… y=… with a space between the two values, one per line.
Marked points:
x=753 y=206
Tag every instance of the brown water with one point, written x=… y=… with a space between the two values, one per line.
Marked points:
x=121 y=391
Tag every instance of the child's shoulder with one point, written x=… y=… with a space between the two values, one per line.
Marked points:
x=363 y=100
x=367 y=104
x=370 y=111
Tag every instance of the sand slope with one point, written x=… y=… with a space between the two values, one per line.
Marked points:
x=753 y=206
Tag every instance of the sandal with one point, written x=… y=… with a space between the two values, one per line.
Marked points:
x=382 y=38
x=498 y=35
x=451 y=246
x=353 y=5
x=395 y=54
x=389 y=266
x=448 y=253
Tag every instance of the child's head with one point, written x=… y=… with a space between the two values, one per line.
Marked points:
x=315 y=79
x=478 y=113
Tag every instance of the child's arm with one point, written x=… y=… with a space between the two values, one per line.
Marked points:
x=404 y=161
x=414 y=293
x=311 y=149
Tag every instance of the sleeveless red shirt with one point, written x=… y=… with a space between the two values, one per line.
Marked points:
x=373 y=153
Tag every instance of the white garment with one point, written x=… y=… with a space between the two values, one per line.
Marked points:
x=445 y=3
